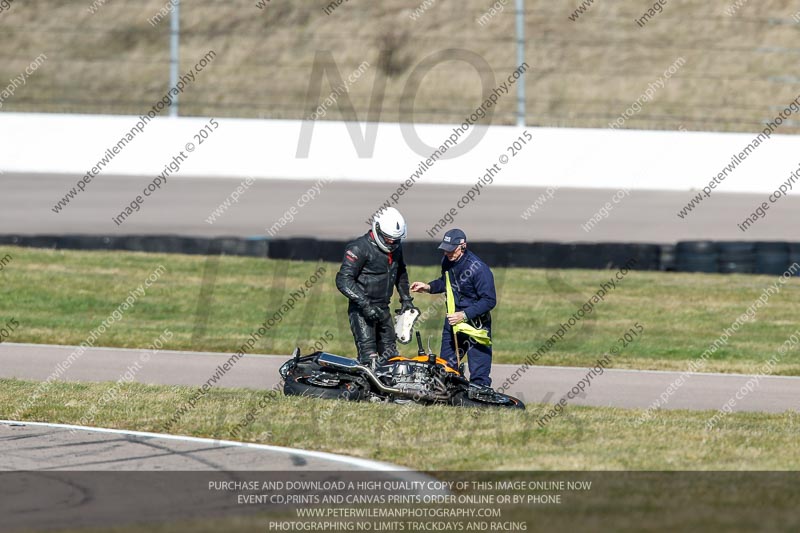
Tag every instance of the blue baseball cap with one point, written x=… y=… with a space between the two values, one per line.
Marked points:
x=452 y=240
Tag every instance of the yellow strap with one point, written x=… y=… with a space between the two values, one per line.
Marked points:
x=451 y=302
x=481 y=336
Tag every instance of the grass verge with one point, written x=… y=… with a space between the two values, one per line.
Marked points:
x=214 y=303
x=585 y=438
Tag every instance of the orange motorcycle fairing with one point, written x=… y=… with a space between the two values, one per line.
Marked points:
x=424 y=359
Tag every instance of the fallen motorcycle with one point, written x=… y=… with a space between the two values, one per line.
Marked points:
x=425 y=379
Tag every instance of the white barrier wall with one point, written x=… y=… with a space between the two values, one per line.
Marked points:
x=594 y=158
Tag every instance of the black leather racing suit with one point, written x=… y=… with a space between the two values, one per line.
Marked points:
x=368 y=277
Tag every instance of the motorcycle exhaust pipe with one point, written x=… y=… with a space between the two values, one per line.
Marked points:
x=375 y=381
x=351 y=366
x=399 y=392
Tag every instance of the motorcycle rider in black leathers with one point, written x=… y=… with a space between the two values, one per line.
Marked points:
x=373 y=265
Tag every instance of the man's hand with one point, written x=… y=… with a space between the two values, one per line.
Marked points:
x=406 y=305
x=419 y=286
x=456 y=318
x=373 y=313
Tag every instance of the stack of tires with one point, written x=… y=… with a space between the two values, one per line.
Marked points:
x=794 y=253
x=696 y=256
x=667 y=257
x=773 y=257
x=736 y=257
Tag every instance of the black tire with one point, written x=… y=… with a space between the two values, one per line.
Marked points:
x=736 y=267
x=696 y=248
x=493 y=253
x=737 y=258
x=735 y=248
x=667 y=257
x=772 y=247
x=298 y=385
x=708 y=265
x=528 y=254
x=696 y=256
x=422 y=252
x=775 y=263
x=462 y=399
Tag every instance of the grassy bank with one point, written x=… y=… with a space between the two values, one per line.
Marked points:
x=584 y=72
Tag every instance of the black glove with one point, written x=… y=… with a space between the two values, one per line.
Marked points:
x=373 y=313
x=406 y=305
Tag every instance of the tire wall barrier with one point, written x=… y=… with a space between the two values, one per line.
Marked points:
x=686 y=256
x=736 y=257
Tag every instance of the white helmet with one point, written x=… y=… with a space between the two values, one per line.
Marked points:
x=388 y=224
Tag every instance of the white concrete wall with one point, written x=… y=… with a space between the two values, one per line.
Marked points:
x=594 y=158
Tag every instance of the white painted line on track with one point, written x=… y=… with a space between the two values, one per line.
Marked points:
x=351 y=461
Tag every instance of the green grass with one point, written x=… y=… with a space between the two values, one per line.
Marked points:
x=454 y=443
x=58 y=297
x=585 y=438
x=582 y=74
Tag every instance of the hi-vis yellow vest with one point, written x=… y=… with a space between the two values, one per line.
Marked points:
x=481 y=336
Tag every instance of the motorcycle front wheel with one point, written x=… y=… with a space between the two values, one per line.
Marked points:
x=486 y=399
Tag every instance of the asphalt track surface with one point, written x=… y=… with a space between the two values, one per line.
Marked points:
x=54 y=447
x=339 y=212
x=615 y=388
x=54 y=475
